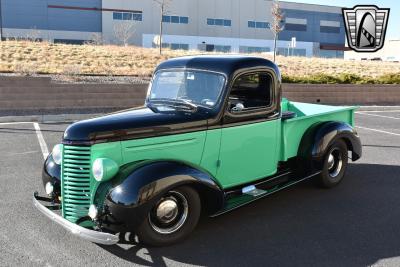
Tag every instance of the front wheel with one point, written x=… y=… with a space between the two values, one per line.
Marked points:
x=172 y=218
x=334 y=166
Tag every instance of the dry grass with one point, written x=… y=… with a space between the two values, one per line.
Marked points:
x=46 y=58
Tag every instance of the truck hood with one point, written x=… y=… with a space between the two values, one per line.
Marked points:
x=141 y=122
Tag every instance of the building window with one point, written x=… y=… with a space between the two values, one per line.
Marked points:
x=174 y=46
x=222 y=48
x=297 y=52
x=331 y=53
x=137 y=15
x=219 y=22
x=117 y=16
x=258 y=24
x=69 y=41
x=215 y=48
x=184 y=20
x=227 y=22
x=296 y=27
x=329 y=29
x=176 y=19
x=126 y=16
x=253 y=49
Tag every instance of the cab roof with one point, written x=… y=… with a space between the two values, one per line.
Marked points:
x=226 y=64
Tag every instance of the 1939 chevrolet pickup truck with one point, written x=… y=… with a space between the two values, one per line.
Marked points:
x=213 y=135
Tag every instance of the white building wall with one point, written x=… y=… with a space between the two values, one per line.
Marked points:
x=197 y=31
x=389 y=52
x=235 y=43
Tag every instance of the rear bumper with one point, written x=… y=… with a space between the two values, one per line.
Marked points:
x=84 y=233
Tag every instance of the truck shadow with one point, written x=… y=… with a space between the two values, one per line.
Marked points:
x=355 y=223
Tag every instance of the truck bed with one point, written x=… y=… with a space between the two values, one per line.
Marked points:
x=292 y=130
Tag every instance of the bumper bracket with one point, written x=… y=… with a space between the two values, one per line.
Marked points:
x=82 y=232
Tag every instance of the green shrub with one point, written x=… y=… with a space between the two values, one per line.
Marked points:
x=343 y=78
x=393 y=78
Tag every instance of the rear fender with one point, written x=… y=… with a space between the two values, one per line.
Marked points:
x=319 y=137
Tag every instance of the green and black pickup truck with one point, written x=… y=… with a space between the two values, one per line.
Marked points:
x=213 y=135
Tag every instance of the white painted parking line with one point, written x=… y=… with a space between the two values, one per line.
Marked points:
x=376 y=130
x=376 y=115
x=42 y=143
x=43 y=146
x=382 y=111
x=10 y=123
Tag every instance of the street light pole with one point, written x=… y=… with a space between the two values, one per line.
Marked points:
x=1 y=21
x=161 y=26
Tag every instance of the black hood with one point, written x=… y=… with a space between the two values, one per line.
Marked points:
x=135 y=123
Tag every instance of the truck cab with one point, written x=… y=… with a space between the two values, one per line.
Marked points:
x=213 y=135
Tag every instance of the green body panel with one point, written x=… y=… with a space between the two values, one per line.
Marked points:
x=180 y=147
x=110 y=150
x=209 y=160
x=292 y=130
x=248 y=152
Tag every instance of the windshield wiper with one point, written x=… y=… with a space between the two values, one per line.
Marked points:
x=177 y=103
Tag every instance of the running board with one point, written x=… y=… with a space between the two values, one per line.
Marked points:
x=252 y=193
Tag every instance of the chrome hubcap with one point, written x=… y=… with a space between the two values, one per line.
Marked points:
x=335 y=163
x=170 y=213
x=167 y=211
x=331 y=161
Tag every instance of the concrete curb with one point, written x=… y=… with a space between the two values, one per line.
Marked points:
x=50 y=118
x=68 y=118
x=378 y=108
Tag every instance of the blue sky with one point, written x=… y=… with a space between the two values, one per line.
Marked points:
x=393 y=31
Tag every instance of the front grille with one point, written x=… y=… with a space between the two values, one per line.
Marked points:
x=75 y=186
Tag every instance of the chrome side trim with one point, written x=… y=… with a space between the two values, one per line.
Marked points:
x=84 y=233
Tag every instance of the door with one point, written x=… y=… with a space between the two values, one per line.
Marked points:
x=249 y=136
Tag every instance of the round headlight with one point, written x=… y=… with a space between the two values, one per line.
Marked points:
x=57 y=154
x=98 y=170
x=104 y=169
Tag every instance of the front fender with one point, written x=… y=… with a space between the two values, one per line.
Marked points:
x=319 y=137
x=131 y=197
x=51 y=172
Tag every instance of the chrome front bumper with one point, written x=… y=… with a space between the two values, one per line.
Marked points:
x=90 y=235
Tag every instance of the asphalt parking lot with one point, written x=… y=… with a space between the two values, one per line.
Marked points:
x=354 y=224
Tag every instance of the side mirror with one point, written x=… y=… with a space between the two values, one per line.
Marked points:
x=237 y=108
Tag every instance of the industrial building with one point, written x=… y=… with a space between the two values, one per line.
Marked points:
x=389 y=52
x=211 y=25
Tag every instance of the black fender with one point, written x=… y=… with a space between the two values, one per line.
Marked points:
x=319 y=137
x=131 y=197
x=51 y=172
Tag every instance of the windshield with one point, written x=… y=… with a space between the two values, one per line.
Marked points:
x=196 y=87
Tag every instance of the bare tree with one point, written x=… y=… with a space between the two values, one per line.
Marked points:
x=33 y=35
x=277 y=24
x=124 y=30
x=95 y=39
x=163 y=4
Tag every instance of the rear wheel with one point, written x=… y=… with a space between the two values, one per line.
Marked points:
x=334 y=166
x=172 y=218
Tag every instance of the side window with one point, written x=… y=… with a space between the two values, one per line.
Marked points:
x=251 y=91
